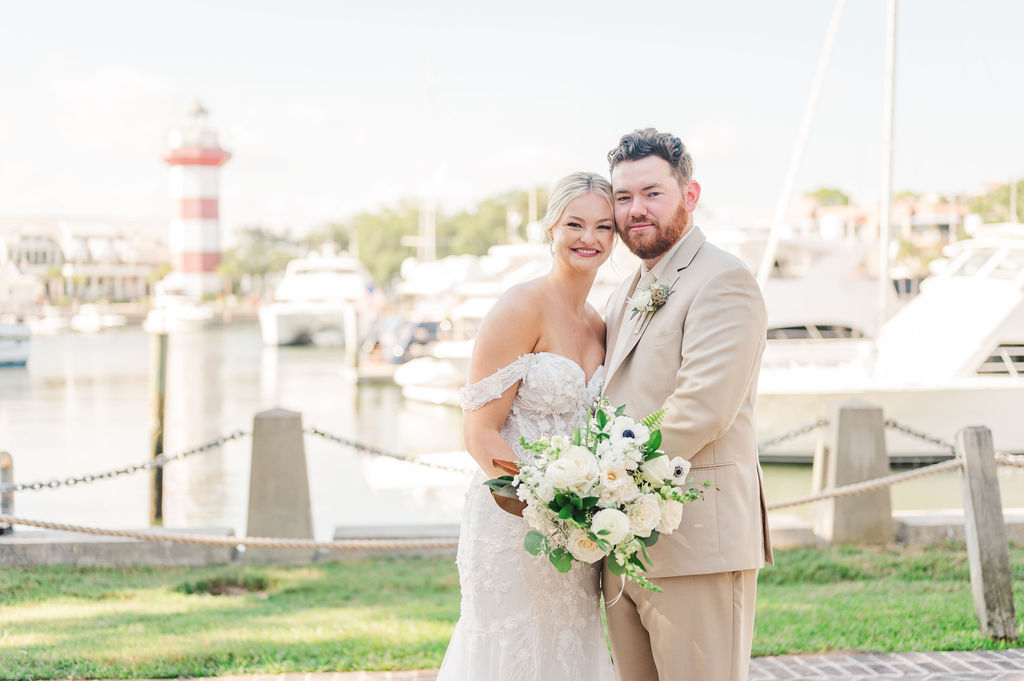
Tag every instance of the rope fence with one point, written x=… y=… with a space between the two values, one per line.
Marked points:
x=217 y=443
x=868 y=485
x=1002 y=459
x=248 y=542
x=155 y=462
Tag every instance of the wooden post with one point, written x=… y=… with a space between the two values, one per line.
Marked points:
x=279 y=486
x=6 y=498
x=351 y=335
x=985 y=531
x=158 y=368
x=854 y=451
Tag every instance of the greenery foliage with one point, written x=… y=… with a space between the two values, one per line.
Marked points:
x=830 y=196
x=385 y=237
x=995 y=205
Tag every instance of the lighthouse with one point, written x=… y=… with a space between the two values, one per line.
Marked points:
x=195 y=156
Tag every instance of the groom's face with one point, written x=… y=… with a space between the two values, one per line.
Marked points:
x=652 y=211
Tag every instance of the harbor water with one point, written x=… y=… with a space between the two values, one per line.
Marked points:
x=83 y=406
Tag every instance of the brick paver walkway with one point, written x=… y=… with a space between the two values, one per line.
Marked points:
x=981 y=665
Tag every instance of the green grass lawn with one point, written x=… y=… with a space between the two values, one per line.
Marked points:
x=58 y=622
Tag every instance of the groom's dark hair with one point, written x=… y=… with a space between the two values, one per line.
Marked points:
x=646 y=142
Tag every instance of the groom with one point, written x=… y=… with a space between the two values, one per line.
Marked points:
x=698 y=355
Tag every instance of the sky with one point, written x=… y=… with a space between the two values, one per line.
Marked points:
x=333 y=107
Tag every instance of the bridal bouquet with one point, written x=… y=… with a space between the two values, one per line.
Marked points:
x=609 y=492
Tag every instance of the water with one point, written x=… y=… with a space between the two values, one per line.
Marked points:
x=83 y=406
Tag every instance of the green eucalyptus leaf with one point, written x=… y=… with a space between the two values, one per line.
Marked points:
x=496 y=484
x=534 y=542
x=614 y=567
x=561 y=559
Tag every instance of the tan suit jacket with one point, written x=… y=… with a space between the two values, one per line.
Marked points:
x=699 y=357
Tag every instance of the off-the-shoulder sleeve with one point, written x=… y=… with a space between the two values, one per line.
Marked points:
x=476 y=395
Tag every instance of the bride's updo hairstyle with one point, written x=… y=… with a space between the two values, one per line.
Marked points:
x=571 y=187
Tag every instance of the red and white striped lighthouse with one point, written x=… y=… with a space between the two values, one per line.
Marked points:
x=195 y=157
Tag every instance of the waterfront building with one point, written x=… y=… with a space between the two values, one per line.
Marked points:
x=85 y=260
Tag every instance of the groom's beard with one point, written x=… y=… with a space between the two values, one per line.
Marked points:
x=662 y=238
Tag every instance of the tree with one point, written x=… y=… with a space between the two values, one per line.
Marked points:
x=830 y=196
x=258 y=254
x=475 y=231
x=380 y=234
x=995 y=205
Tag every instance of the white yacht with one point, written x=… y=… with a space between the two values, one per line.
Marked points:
x=321 y=298
x=951 y=357
x=462 y=289
x=174 y=312
x=822 y=306
x=14 y=343
x=91 y=318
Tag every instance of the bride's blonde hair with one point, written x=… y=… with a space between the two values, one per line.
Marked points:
x=571 y=187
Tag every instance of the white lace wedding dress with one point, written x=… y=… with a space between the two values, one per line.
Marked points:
x=522 y=620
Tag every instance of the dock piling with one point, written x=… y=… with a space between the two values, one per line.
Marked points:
x=985 y=531
x=279 y=503
x=853 y=450
x=6 y=498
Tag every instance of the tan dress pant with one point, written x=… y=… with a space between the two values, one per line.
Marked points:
x=700 y=628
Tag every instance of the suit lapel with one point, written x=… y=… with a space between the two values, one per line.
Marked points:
x=629 y=332
x=617 y=316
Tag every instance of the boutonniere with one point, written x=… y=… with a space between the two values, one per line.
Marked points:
x=650 y=299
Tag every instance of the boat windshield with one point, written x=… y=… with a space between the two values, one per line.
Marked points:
x=1009 y=266
x=974 y=262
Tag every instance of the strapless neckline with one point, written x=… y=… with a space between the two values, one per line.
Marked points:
x=586 y=381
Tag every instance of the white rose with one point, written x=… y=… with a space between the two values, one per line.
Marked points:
x=540 y=519
x=544 y=491
x=576 y=470
x=644 y=514
x=615 y=484
x=642 y=300
x=613 y=520
x=583 y=548
x=671 y=516
x=629 y=491
x=657 y=470
x=680 y=469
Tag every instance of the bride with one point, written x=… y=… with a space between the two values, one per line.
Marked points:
x=536 y=367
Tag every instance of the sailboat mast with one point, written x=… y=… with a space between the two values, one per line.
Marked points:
x=768 y=258
x=884 y=281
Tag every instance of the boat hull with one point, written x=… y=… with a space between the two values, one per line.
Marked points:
x=938 y=411
x=286 y=324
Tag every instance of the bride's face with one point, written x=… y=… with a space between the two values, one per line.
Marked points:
x=584 y=234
